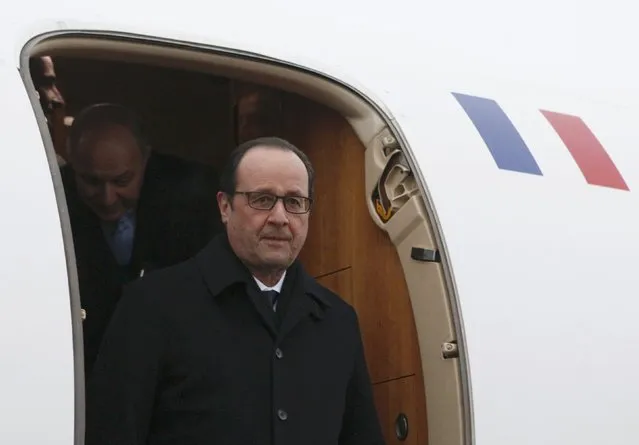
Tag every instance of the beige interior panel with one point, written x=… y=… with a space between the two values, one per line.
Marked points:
x=408 y=227
x=434 y=327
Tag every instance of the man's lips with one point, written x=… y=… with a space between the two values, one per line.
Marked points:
x=275 y=238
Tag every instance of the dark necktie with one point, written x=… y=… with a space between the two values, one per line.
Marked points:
x=272 y=297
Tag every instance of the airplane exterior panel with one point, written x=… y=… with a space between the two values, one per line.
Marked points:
x=36 y=343
x=545 y=267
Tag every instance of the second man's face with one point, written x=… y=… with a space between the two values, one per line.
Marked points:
x=109 y=168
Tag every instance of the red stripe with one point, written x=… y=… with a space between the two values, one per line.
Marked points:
x=586 y=150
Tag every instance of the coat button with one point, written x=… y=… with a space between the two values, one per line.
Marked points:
x=282 y=414
x=279 y=353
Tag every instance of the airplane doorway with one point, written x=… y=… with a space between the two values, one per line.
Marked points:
x=370 y=233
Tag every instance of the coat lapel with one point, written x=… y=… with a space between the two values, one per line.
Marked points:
x=305 y=300
x=301 y=306
x=263 y=309
x=220 y=268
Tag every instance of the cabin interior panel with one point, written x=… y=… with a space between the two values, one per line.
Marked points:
x=340 y=282
x=342 y=235
x=187 y=114
x=401 y=411
x=322 y=134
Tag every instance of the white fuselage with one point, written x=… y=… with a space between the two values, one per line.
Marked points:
x=544 y=264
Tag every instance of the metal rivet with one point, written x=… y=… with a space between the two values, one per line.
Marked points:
x=450 y=350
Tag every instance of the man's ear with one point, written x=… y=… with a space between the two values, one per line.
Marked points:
x=224 y=204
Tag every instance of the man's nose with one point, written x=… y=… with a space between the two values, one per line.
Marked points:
x=109 y=195
x=278 y=214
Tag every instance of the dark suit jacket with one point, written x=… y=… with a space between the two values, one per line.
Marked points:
x=195 y=355
x=177 y=216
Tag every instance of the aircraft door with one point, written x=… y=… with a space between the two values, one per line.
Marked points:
x=36 y=338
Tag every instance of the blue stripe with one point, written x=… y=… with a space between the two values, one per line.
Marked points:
x=500 y=135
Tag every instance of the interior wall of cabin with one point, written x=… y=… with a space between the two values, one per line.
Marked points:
x=186 y=113
x=202 y=117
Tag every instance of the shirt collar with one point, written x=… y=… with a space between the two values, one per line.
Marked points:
x=277 y=287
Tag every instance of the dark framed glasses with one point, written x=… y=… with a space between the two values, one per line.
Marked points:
x=266 y=201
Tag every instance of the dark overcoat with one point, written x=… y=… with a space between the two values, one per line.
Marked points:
x=195 y=356
x=176 y=218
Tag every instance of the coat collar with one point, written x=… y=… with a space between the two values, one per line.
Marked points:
x=221 y=268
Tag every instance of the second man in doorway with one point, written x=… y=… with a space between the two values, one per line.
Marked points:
x=131 y=210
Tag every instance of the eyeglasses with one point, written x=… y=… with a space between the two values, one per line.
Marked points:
x=266 y=201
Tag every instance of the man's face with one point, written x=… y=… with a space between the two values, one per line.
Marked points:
x=266 y=239
x=45 y=82
x=109 y=169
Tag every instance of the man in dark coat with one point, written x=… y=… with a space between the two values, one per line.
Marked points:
x=238 y=345
x=131 y=210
